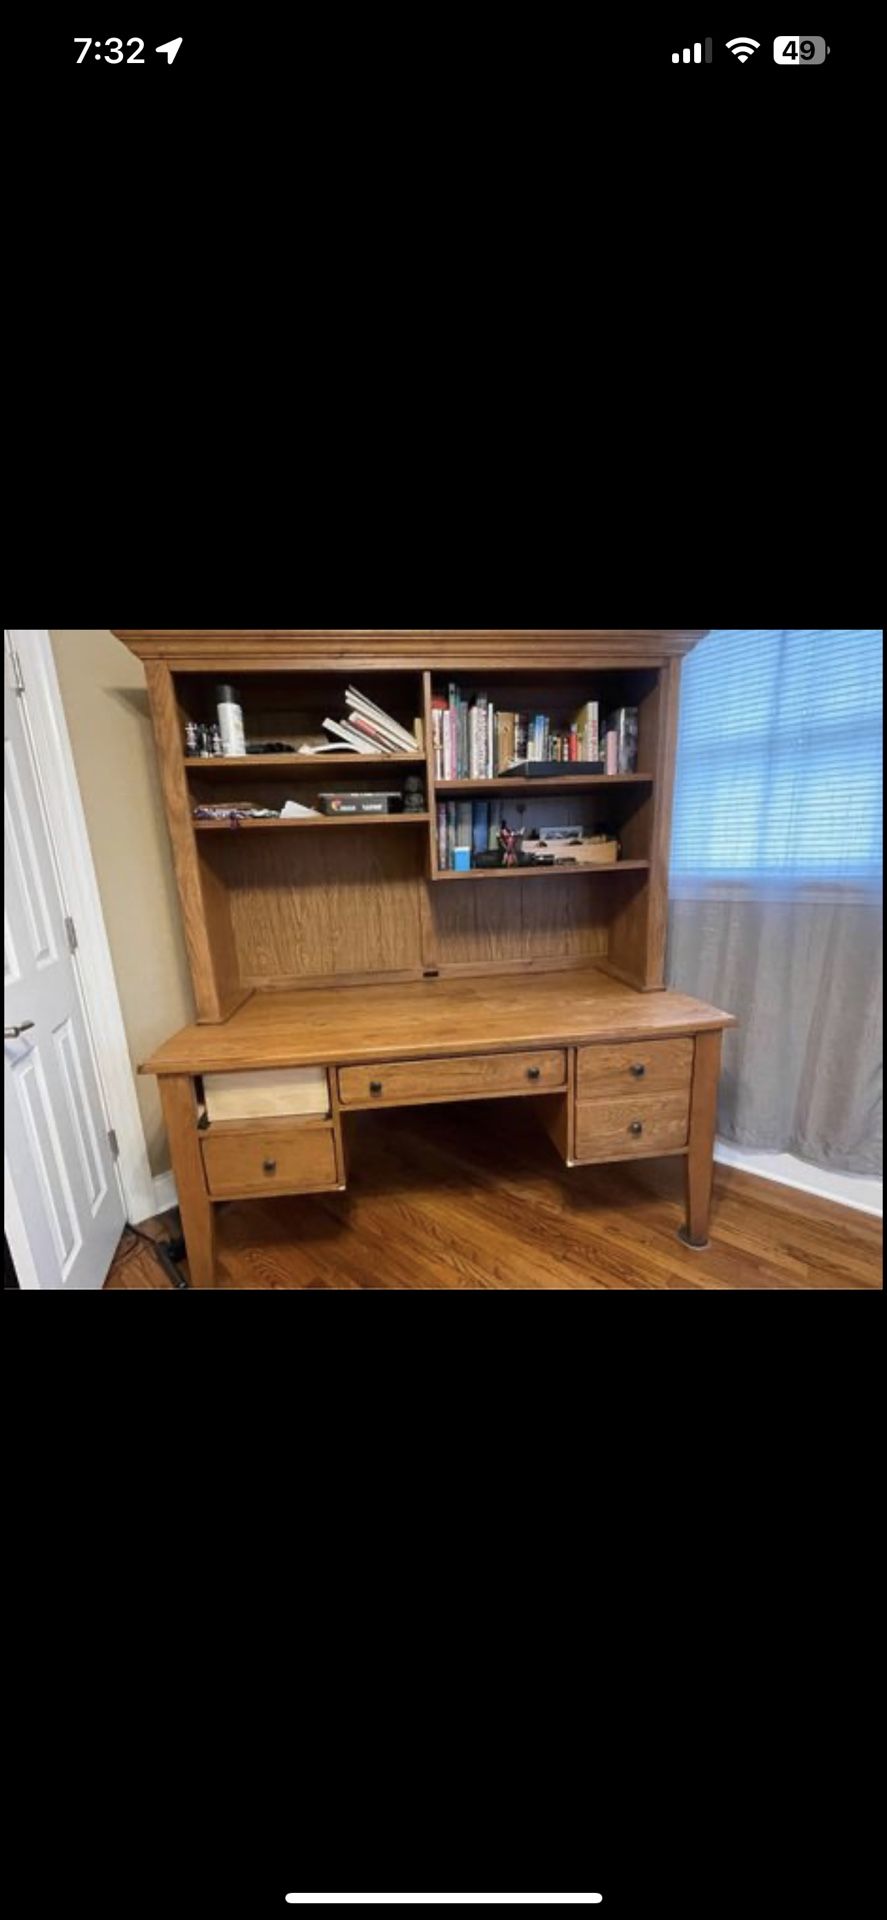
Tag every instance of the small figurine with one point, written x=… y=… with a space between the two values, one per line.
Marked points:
x=509 y=841
x=413 y=795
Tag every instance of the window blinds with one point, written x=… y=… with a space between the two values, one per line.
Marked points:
x=779 y=759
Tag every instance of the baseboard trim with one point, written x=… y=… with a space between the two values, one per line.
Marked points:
x=165 y=1195
x=862 y=1191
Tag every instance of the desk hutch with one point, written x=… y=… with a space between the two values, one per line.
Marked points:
x=336 y=967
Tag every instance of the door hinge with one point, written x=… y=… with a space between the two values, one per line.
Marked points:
x=71 y=932
x=17 y=676
x=113 y=1143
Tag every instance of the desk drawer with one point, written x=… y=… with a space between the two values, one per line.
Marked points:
x=464 y=1076
x=275 y=1158
x=617 y=1129
x=650 y=1066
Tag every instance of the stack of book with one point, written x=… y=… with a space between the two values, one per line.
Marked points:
x=369 y=729
x=473 y=740
x=465 y=823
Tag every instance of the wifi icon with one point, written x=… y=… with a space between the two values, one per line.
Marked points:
x=743 y=47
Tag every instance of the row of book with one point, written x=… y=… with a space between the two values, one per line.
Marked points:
x=465 y=823
x=474 y=740
x=368 y=729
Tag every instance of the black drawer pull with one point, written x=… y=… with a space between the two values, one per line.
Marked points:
x=638 y=1071
x=269 y=1166
x=636 y=1127
x=375 y=1086
x=533 y=1073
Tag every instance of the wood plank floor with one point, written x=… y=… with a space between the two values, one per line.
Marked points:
x=471 y=1196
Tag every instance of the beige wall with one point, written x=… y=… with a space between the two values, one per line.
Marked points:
x=103 y=692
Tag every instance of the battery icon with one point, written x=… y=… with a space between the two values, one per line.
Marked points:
x=792 y=52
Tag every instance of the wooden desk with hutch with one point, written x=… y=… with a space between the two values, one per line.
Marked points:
x=336 y=949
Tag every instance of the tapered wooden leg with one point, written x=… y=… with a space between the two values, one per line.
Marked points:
x=195 y=1206
x=700 y=1157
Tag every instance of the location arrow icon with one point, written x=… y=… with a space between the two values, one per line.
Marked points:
x=170 y=48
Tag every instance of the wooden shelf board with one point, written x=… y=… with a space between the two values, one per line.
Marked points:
x=543 y=785
x=545 y=873
x=322 y=820
x=307 y=763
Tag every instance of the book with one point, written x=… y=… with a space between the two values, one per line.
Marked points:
x=375 y=733
x=367 y=707
x=624 y=723
x=586 y=723
x=335 y=746
x=352 y=739
x=442 y=833
x=480 y=826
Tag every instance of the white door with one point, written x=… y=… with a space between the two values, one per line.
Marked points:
x=57 y=1147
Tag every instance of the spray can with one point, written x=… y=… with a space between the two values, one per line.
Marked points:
x=230 y=721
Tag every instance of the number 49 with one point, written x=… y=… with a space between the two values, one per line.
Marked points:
x=790 y=50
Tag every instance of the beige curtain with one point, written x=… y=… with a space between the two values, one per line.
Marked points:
x=803 y=1071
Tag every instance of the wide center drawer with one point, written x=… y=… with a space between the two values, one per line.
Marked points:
x=274 y=1158
x=617 y=1129
x=461 y=1077
x=652 y=1066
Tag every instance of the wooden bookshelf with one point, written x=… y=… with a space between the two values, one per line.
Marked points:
x=582 y=872
x=322 y=820
x=275 y=903
x=303 y=764
x=320 y=942
x=552 y=783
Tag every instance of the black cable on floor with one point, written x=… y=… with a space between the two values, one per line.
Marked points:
x=165 y=1252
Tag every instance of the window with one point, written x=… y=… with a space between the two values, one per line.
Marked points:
x=779 y=761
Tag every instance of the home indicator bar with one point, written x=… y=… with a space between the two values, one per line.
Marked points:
x=444 y=1899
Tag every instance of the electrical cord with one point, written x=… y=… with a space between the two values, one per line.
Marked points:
x=166 y=1253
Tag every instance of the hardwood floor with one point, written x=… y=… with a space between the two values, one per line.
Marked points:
x=468 y=1196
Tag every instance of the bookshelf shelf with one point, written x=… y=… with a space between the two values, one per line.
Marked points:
x=546 y=873
x=323 y=820
x=550 y=784
x=301 y=763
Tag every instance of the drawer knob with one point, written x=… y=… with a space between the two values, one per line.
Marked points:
x=639 y=1070
x=636 y=1127
x=269 y=1166
x=375 y=1086
x=533 y=1073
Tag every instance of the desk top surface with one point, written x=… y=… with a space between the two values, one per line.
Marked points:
x=333 y=1025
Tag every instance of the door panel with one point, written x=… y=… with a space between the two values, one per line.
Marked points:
x=56 y=1132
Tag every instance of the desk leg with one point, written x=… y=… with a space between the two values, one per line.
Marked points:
x=195 y=1206
x=700 y=1160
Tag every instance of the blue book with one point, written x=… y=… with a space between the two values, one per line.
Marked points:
x=480 y=830
x=463 y=823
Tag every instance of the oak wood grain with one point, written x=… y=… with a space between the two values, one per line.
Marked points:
x=415 y=1081
x=195 y=1207
x=618 y=1129
x=205 y=908
x=703 y=1116
x=435 y=649
x=517 y=923
x=269 y=1158
x=322 y=905
x=657 y=1066
x=344 y=1025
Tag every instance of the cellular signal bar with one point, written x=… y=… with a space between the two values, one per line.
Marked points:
x=678 y=58
x=444 y=1899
